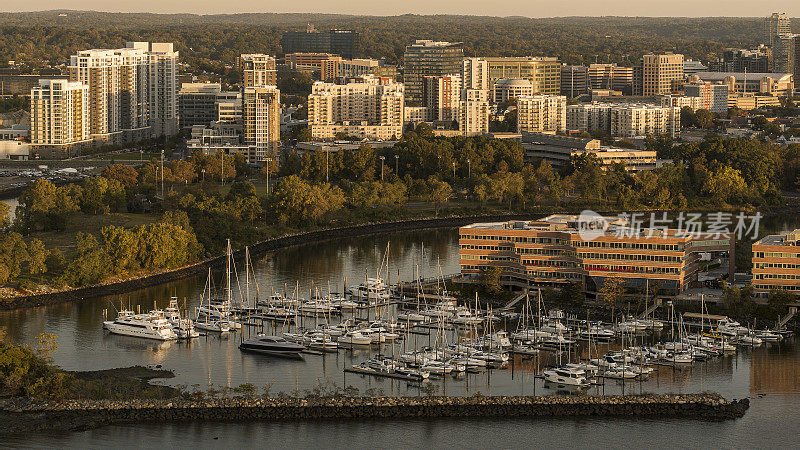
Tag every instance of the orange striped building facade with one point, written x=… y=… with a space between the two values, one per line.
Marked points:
x=776 y=263
x=553 y=252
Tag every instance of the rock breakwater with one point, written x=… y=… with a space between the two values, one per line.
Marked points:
x=18 y=416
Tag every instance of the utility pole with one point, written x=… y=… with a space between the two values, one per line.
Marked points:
x=327 y=173
x=268 y=160
x=397 y=164
x=162 y=173
x=469 y=169
x=454 y=169
x=382 y=159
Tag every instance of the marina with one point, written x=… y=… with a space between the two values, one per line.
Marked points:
x=215 y=359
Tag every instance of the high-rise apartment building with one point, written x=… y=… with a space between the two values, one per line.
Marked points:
x=261 y=107
x=429 y=58
x=660 y=74
x=132 y=90
x=59 y=114
x=543 y=72
x=786 y=54
x=777 y=24
x=372 y=109
x=442 y=97
x=539 y=113
x=258 y=70
x=743 y=60
x=475 y=74
x=344 y=43
x=474 y=110
x=713 y=97
x=623 y=119
x=163 y=86
x=610 y=76
x=325 y=64
x=574 y=80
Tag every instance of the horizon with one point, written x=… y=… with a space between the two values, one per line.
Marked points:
x=213 y=10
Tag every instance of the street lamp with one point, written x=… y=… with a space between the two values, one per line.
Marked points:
x=469 y=168
x=454 y=169
x=268 y=160
x=382 y=159
x=397 y=164
x=204 y=176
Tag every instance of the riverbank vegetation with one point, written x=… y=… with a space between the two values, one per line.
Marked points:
x=134 y=220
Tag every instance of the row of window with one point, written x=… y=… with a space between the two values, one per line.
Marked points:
x=516 y=239
x=776 y=255
x=549 y=263
x=776 y=276
x=775 y=266
x=631 y=257
x=632 y=269
x=628 y=245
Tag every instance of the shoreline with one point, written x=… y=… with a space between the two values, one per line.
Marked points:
x=313 y=236
x=25 y=415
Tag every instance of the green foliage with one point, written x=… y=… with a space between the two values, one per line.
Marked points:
x=490 y=280
x=296 y=201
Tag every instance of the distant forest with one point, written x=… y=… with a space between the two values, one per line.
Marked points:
x=211 y=41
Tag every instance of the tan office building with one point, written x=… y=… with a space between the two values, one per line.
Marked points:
x=661 y=74
x=474 y=110
x=775 y=263
x=544 y=73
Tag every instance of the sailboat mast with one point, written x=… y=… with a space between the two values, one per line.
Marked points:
x=228 y=271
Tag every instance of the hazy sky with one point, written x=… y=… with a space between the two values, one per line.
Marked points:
x=531 y=8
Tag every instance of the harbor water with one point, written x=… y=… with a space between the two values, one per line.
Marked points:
x=769 y=375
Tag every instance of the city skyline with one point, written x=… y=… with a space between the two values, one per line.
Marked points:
x=518 y=8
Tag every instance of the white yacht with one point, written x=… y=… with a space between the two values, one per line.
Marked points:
x=566 y=376
x=372 y=289
x=354 y=338
x=148 y=326
x=271 y=345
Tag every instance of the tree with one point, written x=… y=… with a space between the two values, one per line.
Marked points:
x=126 y=175
x=120 y=246
x=438 y=192
x=705 y=118
x=611 y=292
x=13 y=254
x=5 y=215
x=37 y=257
x=725 y=185
x=490 y=280
x=183 y=172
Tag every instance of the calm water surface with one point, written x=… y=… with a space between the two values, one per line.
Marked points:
x=769 y=375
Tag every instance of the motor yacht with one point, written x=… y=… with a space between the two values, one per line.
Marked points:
x=271 y=345
x=147 y=326
x=566 y=376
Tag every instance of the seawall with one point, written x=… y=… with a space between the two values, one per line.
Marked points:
x=26 y=416
x=123 y=286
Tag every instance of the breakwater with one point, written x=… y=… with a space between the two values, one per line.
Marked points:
x=319 y=235
x=17 y=416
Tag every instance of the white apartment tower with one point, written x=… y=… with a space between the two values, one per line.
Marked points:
x=475 y=74
x=474 y=111
x=371 y=109
x=132 y=90
x=59 y=113
x=541 y=113
x=624 y=120
x=261 y=108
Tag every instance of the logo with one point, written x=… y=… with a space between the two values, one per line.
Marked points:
x=591 y=225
